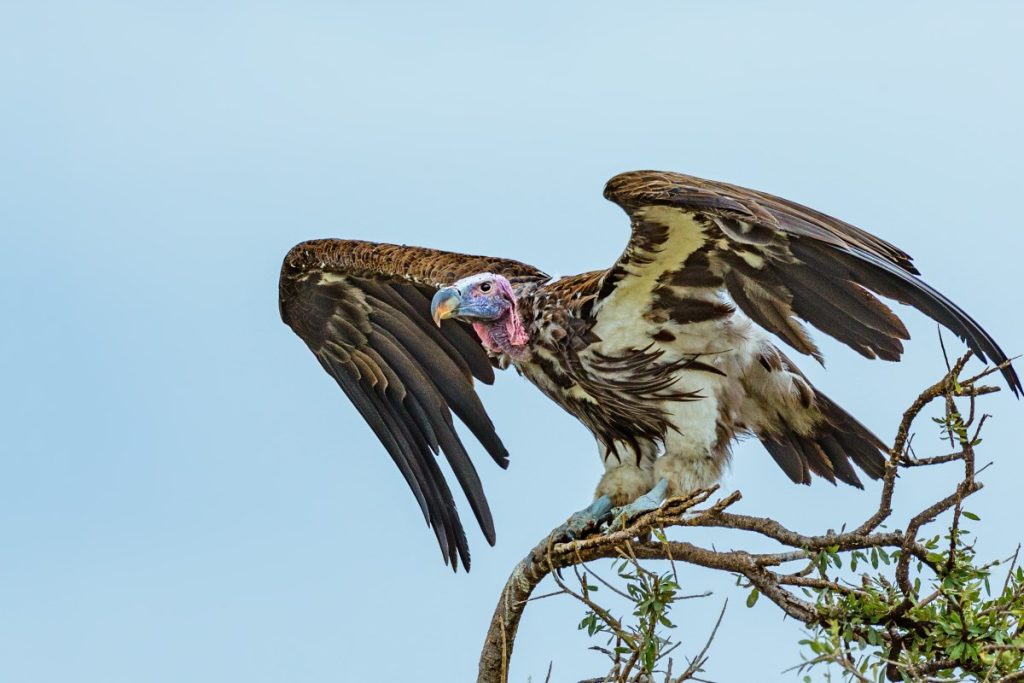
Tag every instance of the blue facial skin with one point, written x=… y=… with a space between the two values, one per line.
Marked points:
x=450 y=302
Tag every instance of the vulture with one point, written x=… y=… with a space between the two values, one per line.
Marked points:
x=667 y=357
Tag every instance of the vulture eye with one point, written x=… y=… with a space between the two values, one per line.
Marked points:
x=485 y=287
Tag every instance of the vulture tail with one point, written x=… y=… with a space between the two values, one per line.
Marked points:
x=829 y=448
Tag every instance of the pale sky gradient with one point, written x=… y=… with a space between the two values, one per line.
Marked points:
x=186 y=496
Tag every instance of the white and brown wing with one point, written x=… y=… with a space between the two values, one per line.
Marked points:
x=778 y=261
x=364 y=311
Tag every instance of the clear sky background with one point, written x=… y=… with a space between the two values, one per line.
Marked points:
x=186 y=496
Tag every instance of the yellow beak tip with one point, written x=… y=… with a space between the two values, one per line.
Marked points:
x=443 y=308
x=445 y=302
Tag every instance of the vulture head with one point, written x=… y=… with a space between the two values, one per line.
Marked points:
x=488 y=302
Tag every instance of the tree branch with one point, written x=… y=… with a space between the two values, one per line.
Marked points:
x=762 y=571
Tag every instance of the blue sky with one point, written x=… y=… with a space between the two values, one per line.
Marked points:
x=185 y=495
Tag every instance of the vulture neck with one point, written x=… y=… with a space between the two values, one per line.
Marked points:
x=505 y=335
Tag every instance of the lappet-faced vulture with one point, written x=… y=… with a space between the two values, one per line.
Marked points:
x=665 y=356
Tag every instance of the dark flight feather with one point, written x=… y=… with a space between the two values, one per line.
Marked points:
x=364 y=311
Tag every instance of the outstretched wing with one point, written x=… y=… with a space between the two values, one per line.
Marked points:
x=779 y=261
x=364 y=311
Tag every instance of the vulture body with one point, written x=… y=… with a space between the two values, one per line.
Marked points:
x=666 y=356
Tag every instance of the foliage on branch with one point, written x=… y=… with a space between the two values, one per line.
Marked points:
x=878 y=604
x=640 y=647
x=958 y=627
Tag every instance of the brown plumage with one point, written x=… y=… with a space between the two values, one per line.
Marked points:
x=658 y=355
x=364 y=311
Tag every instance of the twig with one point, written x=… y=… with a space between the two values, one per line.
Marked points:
x=697 y=663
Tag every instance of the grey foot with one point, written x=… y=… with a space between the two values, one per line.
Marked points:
x=651 y=500
x=590 y=517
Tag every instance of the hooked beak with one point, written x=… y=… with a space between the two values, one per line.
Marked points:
x=444 y=304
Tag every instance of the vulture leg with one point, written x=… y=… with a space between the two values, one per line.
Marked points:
x=590 y=517
x=651 y=500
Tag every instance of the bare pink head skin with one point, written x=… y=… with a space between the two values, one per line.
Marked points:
x=488 y=302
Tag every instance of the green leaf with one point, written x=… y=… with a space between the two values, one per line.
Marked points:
x=970 y=515
x=752 y=598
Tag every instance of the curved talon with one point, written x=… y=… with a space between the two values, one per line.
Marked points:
x=651 y=500
x=587 y=519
